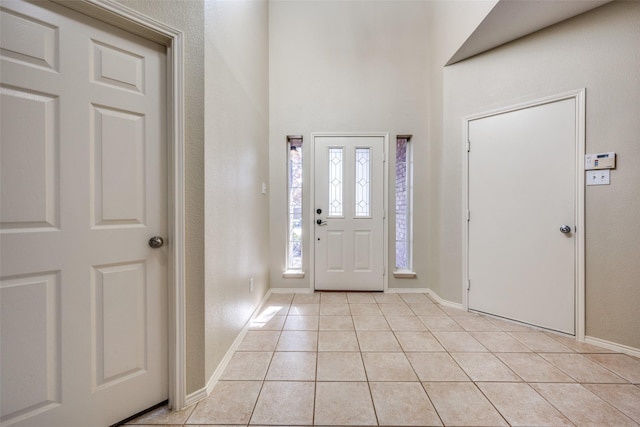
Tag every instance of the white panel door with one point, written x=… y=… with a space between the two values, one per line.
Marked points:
x=348 y=209
x=83 y=188
x=522 y=189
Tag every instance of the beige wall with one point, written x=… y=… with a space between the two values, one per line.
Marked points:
x=450 y=23
x=236 y=165
x=346 y=67
x=226 y=126
x=597 y=51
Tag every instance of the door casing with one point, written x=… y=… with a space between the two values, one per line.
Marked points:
x=123 y=17
x=311 y=206
x=579 y=97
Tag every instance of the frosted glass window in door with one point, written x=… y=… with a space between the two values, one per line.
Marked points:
x=335 y=181
x=362 y=181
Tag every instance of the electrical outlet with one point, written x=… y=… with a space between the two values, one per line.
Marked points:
x=251 y=284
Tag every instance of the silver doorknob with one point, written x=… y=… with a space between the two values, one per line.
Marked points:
x=565 y=229
x=156 y=242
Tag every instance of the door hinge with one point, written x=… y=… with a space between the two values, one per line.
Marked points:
x=468 y=146
x=468 y=215
x=468 y=285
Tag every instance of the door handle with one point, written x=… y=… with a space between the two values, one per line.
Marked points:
x=321 y=222
x=565 y=229
x=156 y=242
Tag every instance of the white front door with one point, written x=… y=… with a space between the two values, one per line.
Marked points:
x=349 y=212
x=83 y=188
x=522 y=190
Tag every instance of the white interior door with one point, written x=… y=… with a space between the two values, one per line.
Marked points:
x=349 y=212
x=83 y=188
x=522 y=189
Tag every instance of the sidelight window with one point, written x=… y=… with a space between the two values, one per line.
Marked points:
x=294 y=203
x=404 y=209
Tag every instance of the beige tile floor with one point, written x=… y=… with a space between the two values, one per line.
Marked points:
x=369 y=359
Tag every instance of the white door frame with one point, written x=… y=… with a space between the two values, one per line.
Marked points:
x=579 y=97
x=310 y=153
x=123 y=17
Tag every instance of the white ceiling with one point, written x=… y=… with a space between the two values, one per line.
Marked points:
x=512 y=19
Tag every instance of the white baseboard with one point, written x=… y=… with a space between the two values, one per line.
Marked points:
x=196 y=397
x=444 y=302
x=426 y=291
x=291 y=290
x=620 y=348
x=407 y=290
x=204 y=392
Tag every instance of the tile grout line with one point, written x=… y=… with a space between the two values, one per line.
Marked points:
x=422 y=382
x=501 y=329
x=465 y=372
x=264 y=379
x=475 y=383
x=572 y=351
x=315 y=382
x=255 y=404
x=366 y=374
x=471 y=380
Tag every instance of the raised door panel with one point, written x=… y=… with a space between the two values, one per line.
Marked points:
x=118 y=167
x=29 y=152
x=30 y=350
x=117 y=67
x=335 y=251
x=28 y=41
x=119 y=312
x=363 y=251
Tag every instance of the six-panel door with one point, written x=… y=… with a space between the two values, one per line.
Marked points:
x=83 y=188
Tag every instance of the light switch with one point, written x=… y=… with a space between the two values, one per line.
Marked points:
x=598 y=177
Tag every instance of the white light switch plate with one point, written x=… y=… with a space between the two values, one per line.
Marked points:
x=598 y=177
